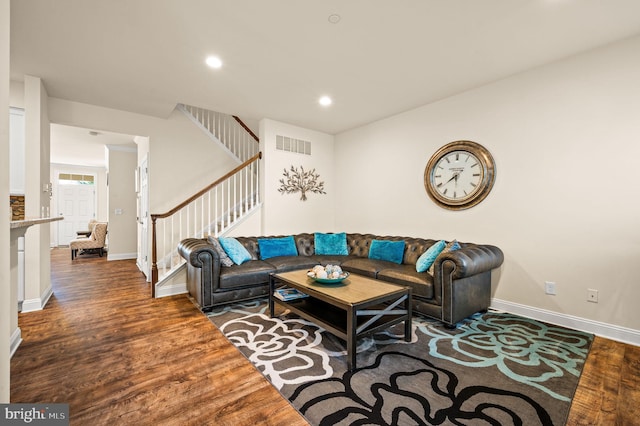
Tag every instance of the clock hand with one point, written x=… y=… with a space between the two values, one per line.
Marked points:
x=455 y=176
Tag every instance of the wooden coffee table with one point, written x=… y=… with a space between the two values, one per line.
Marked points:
x=355 y=307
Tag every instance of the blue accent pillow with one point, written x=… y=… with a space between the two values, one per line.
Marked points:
x=272 y=247
x=428 y=257
x=392 y=251
x=332 y=244
x=451 y=246
x=235 y=250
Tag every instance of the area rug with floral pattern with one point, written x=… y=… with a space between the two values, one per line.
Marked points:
x=495 y=368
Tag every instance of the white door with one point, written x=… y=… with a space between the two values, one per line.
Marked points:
x=76 y=203
x=143 y=219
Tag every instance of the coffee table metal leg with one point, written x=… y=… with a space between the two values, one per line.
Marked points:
x=271 y=290
x=351 y=339
x=407 y=322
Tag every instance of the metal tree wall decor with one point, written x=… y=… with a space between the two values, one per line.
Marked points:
x=300 y=181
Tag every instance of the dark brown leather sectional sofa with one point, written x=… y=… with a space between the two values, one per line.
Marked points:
x=459 y=287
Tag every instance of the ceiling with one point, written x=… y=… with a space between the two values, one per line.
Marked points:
x=383 y=57
x=74 y=145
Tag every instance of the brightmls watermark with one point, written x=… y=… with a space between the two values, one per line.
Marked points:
x=34 y=414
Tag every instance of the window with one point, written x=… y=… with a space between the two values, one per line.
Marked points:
x=75 y=179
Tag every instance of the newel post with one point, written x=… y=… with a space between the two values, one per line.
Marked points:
x=154 y=255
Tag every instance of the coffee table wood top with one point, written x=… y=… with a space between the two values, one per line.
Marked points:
x=354 y=290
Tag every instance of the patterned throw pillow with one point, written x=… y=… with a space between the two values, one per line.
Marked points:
x=236 y=251
x=451 y=246
x=225 y=260
x=428 y=257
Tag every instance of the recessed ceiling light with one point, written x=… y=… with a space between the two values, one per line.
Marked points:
x=214 y=62
x=334 y=18
x=325 y=101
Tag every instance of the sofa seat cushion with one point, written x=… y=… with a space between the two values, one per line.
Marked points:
x=292 y=263
x=421 y=283
x=367 y=267
x=250 y=273
x=331 y=259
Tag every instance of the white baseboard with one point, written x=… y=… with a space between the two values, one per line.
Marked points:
x=171 y=289
x=610 y=331
x=14 y=342
x=122 y=256
x=30 y=305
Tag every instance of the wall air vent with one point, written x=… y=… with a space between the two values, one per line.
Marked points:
x=285 y=143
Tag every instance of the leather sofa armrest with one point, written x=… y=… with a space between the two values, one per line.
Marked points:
x=468 y=261
x=203 y=270
x=462 y=280
x=195 y=251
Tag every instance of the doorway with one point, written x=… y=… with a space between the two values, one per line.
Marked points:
x=76 y=203
x=142 y=182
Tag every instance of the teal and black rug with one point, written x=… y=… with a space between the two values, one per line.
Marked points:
x=494 y=369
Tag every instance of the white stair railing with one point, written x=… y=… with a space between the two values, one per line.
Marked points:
x=226 y=129
x=211 y=211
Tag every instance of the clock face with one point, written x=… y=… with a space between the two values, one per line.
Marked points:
x=459 y=175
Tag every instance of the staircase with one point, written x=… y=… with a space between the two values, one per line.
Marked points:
x=215 y=209
x=228 y=130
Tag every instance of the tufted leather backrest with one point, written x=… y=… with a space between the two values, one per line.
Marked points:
x=357 y=245
x=414 y=247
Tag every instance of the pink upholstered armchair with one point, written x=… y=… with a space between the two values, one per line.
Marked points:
x=95 y=241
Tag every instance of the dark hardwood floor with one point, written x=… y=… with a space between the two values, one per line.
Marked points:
x=119 y=357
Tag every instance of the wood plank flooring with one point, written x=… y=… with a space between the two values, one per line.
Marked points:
x=119 y=357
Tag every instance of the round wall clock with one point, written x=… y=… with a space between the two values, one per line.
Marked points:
x=459 y=175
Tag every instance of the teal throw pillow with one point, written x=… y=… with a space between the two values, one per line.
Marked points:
x=330 y=244
x=235 y=250
x=428 y=257
x=451 y=246
x=273 y=247
x=392 y=251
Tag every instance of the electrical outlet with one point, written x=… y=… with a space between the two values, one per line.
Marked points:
x=550 y=287
x=592 y=295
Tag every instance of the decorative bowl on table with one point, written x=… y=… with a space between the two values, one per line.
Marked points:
x=330 y=274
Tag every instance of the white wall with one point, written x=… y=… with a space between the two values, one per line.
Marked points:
x=37 y=174
x=17 y=148
x=286 y=213
x=5 y=281
x=122 y=230
x=565 y=205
